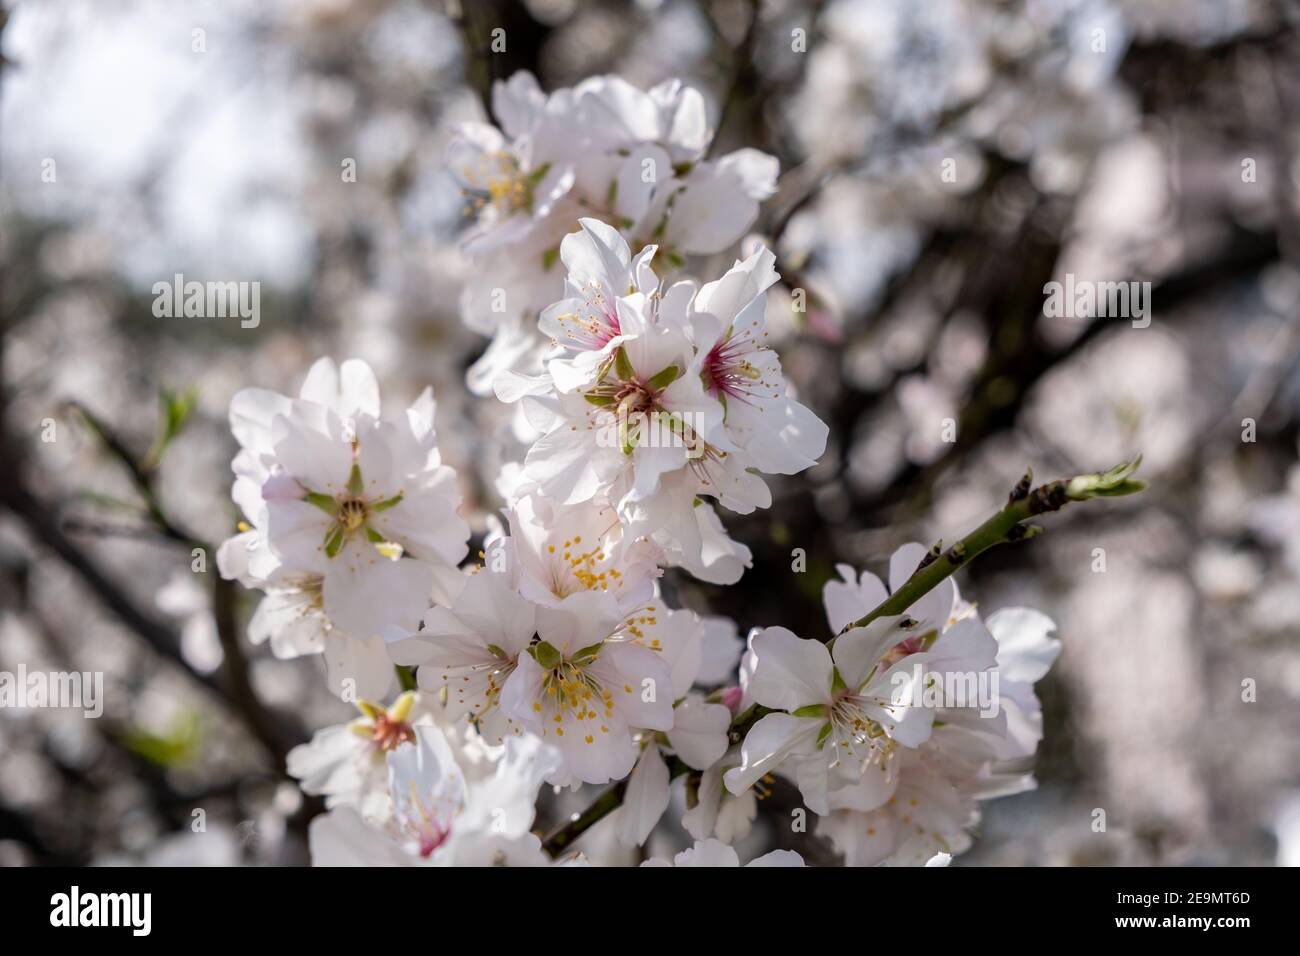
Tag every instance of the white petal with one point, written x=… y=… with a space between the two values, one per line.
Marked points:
x=645 y=799
x=699 y=734
x=791 y=672
x=1026 y=648
x=768 y=744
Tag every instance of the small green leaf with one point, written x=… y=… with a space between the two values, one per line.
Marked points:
x=176 y=409
x=1115 y=483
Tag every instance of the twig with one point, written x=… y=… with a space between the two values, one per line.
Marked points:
x=563 y=837
x=1007 y=525
x=141 y=478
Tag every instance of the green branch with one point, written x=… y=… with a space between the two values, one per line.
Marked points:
x=1009 y=524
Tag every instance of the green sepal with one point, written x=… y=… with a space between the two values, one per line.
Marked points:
x=326 y=503
x=837 y=681
x=334 y=542
x=664 y=378
x=547 y=657
x=538 y=174
x=587 y=654
x=811 y=710
x=623 y=365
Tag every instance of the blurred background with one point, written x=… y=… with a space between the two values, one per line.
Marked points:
x=941 y=162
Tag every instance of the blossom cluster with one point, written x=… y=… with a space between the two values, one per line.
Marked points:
x=637 y=159
x=554 y=658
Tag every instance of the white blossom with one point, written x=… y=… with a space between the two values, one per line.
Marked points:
x=350 y=516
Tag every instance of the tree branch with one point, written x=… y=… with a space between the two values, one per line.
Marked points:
x=1007 y=525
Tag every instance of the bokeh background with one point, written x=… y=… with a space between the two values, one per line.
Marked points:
x=1126 y=140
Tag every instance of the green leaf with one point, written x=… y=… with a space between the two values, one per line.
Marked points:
x=176 y=410
x=549 y=257
x=1115 y=483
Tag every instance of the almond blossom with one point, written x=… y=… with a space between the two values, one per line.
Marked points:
x=439 y=817
x=935 y=802
x=644 y=404
x=658 y=399
x=354 y=514
x=633 y=157
x=838 y=719
x=588 y=684
x=346 y=763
